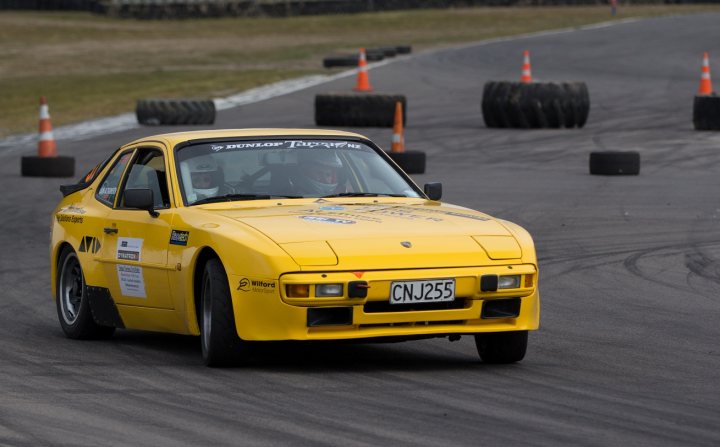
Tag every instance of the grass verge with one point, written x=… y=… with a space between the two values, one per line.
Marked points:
x=91 y=66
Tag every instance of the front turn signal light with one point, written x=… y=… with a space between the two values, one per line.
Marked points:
x=298 y=290
x=528 y=281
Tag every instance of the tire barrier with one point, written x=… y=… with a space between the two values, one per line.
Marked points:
x=412 y=162
x=706 y=112
x=385 y=51
x=350 y=60
x=403 y=49
x=153 y=112
x=615 y=163
x=535 y=105
x=37 y=166
x=357 y=109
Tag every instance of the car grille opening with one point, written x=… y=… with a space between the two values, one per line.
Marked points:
x=385 y=306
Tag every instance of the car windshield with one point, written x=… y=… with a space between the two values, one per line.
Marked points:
x=292 y=168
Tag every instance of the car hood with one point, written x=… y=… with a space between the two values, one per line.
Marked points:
x=378 y=234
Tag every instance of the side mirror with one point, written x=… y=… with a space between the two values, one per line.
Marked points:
x=141 y=199
x=433 y=190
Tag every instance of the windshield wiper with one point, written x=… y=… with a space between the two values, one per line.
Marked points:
x=231 y=197
x=363 y=194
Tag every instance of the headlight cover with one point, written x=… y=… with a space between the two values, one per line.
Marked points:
x=326 y=290
x=509 y=282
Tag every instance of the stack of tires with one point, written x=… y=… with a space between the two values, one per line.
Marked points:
x=706 y=112
x=535 y=105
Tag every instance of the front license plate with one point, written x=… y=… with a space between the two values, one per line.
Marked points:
x=430 y=291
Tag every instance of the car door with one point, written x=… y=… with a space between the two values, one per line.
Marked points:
x=134 y=249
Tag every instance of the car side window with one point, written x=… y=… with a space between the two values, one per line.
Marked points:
x=108 y=188
x=147 y=171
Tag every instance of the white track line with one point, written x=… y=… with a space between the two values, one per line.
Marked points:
x=126 y=121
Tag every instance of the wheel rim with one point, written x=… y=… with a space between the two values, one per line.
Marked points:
x=71 y=290
x=206 y=314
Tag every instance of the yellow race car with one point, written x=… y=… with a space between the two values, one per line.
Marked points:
x=283 y=234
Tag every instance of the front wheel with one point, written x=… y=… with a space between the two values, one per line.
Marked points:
x=221 y=345
x=73 y=307
x=502 y=347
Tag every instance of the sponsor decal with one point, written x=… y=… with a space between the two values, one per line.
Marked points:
x=131 y=280
x=89 y=244
x=332 y=208
x=72 y=209
x=257 y=285
x=129 y=248
x=68 y=218
x=178 y=237
x=330 y=220
x=289 y=144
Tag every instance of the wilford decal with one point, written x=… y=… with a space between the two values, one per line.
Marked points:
x=257 y=285
x=330 y=220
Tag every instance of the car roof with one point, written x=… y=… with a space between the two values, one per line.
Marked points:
x=179 y=137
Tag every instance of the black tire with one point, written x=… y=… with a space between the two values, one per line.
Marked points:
x=350 y=60
x=403 y=49
x=34 y=166
x=535 y=105
x=221 y=345
x=615 y=163
x=502 y=347
x=706 y=112
x=72 y=303
x=386 y=51
x=154 y=112
x=357 y=109
x=412 y=162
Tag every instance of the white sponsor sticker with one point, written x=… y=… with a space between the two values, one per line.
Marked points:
x=131 y=280
x=129 y=248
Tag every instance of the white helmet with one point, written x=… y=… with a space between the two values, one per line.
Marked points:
x=204 y=175
x=320 y=172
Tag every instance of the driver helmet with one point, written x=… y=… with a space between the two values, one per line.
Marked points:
x=320 y=171
x=204 y=175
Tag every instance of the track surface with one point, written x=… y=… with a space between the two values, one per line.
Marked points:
x=630 y=279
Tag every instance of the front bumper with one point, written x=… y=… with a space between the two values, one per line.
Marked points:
x=267 y=313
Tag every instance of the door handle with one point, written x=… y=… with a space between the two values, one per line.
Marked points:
x=109 y=230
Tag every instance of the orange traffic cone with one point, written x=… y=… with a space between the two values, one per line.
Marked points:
x=705 y=82
x=46 y=145
x=363 y=82
x=526 y=75
x=398 y=139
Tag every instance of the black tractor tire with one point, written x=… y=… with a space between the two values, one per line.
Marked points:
x=221 y=345
x=615 y=163
x=535 y=105
x=35 y=166
x=350 y=60
x=155 y=112
x=72 y=302
x=706 y=112
x=502 y=347
x=412 y=162
x=357 y=109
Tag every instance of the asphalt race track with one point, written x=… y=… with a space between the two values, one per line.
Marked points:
x=630 y=278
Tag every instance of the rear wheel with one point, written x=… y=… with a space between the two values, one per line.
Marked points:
x=502 y=347
x=221 y=345
x=73 y=306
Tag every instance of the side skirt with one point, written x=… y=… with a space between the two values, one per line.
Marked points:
x=104 y=310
